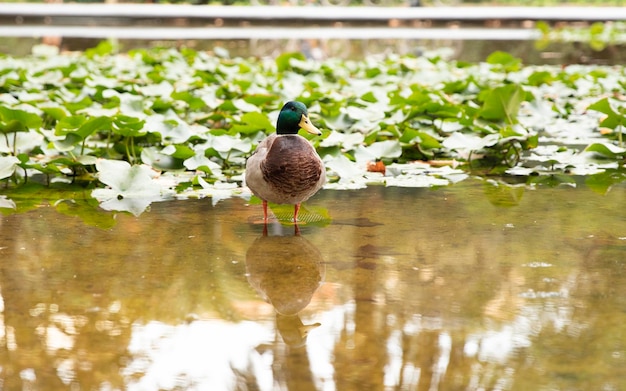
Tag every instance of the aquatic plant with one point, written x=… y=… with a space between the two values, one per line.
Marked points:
x=189 y=119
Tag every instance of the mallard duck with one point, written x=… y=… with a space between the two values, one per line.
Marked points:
x=285 y=168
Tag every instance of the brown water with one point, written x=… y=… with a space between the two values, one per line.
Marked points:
x=467 y=287
x=554 y=53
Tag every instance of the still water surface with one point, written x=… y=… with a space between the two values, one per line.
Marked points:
x=467 y=287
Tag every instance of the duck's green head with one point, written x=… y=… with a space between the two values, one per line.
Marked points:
x=293 y=117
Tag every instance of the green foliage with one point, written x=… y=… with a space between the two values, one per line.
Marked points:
x=187 y=113
x=615 y=118
x=14 y=120
x=283 y=61
x=598 y=35
x=502 y=103
x=504 y=60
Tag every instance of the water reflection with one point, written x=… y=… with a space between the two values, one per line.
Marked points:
x=286 y=271
x=465 y=287
x=472 y=50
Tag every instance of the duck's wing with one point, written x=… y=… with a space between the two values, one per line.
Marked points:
x=254 y=175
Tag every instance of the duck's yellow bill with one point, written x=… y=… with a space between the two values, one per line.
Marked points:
x=306 y=124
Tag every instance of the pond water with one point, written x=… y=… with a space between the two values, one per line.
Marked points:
x=472 y=286
x=472 y=50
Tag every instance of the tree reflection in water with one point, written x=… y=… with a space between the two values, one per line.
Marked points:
x=457 y=288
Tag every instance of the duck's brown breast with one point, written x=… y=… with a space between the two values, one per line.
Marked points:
x=293 y=168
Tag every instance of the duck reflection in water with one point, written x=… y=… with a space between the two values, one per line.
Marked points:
x=286 y=271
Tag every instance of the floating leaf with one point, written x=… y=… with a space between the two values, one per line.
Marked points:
x=283 y=61
x=6 y=203
x=194 y=102
x=344 y=168
x=129 y=188
x=7 y=166
x=252 y=122
x=378 y=150
x=502 y=103
x=260 y=99
x=14 y=120
x=607 y=150
x=128 y=126
x=152 y=156
x=540 y=77
x=102 y=49
x=614 y=116
x=507 y=61
x=469 y=142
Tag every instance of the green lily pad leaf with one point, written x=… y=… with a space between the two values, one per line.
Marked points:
x=507 y=61
x=7 y=166
x=252 y=122
x=67 y=144
x=102 y=49
x=283 y=61
x=69 y=124
x=15 y=120
x=607 y=149
x=503 y=103
x=57 y=113
x=46 y=168
x=614 y=118
x=194 y=102
x=260 y=99
x=179 y=151
x=538 y=78
x=426 y=141
x=128 y=126
x=129 y=188
x=75 y=106
x=82 y=127
x=94 y=125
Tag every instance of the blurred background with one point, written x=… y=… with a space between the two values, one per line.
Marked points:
x=537 y=31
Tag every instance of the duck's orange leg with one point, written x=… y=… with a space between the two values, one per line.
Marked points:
x=296 y=209
x=265 y=211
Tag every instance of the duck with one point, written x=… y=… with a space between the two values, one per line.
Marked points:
x=285 y=168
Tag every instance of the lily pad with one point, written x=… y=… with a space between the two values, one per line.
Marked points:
x=7 y=166
x=607 y=150
x=129 y=188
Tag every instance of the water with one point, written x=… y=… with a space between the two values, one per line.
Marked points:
x=472 y=286
x=465 y=49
